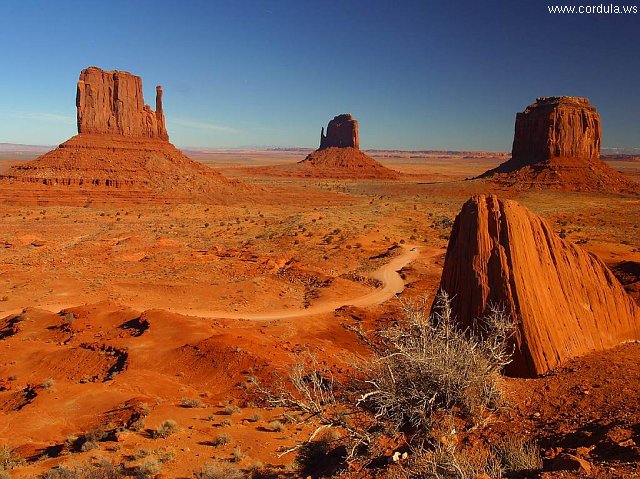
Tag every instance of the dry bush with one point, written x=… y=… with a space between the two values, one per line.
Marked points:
x=429 y=364
x=8 y=458
x=102 y=470
x=216 y=471
x=191 y=403
x=4 y=475
x=447 y=462
x=221 y=440
x=165 y=429
x=519 y=454
x=149 y=468
x=427 y=371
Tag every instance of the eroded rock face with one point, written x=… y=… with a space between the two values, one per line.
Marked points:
x=111 y=102
x=342 y=132
x=557 y=126
x=556 y=146
x=565 y=300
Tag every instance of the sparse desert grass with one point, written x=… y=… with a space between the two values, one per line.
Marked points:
x=226 y=422
x=191 y=403
x=231 y=409
x=221 y=440
x=217 y=471
x=102 y=470
x=237 y=455
x=165 y=429
x=256 y=418
x=519 y=454
x=148 y=468
x=276 y=426
x=8 y=458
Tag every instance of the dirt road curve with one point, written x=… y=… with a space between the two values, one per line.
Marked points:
x=387 y=274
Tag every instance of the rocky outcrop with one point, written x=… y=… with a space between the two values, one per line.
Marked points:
x=111 y=102
x=565 y=300
x=556 y=145
x=557 y=126
x=121 y=145
x=342 y=132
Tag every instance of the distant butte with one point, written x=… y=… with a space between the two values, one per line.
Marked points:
x=342 y=132
x=339 y=154
x=565 y=301
x=122 y=144
x=556 y=146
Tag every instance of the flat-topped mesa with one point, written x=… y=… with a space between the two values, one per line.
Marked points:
x=111 y=102
x=565 y=301
x=342 y=132
x=556 y=146
x=557 y=126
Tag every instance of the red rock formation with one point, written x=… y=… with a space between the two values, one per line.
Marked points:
x=121 y=144
x=111 y=102
x=339 y=156
x=556 y=145
x=565 y=300
x=345 y=162
x=342 y=132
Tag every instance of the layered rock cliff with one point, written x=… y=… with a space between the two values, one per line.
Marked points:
x=556 y=145
x=342 y=132
x=565 y=300
x=111 y=102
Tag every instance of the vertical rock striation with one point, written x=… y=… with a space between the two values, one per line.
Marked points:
x=342 y=132
x=565 y=300
x=556 y=145
x=111 y=102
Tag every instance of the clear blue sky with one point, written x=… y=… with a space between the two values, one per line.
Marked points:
x=417 y=74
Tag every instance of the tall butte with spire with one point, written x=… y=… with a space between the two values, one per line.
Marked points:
x=339 y=154
x=122 y=145
x=110 y=102
x=556 y=145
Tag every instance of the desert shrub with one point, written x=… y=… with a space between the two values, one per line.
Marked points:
x=519 y=454
x=191 y=403
x=165 y=429
x=149 y=468
x=216 y=471
x=102 y=470
x=428 y=363
x=225 y=422
x=8 y=458
x=276 y=426
x=237 y=455
x=256 y=418
x=230 y=409
x=4 y=475
x=89 y=446
x=447 y=462
x=48 y=383
x=221 y=440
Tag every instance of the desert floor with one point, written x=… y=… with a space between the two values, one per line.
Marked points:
x=110 y=307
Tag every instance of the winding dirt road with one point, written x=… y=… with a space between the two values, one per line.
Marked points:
x=388 y=274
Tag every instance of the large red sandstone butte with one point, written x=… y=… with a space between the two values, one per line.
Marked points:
x=339 y=154
x=565 y=300
x=556 y=145
x=342 y=132
x=122 y=144
x=111 y=102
